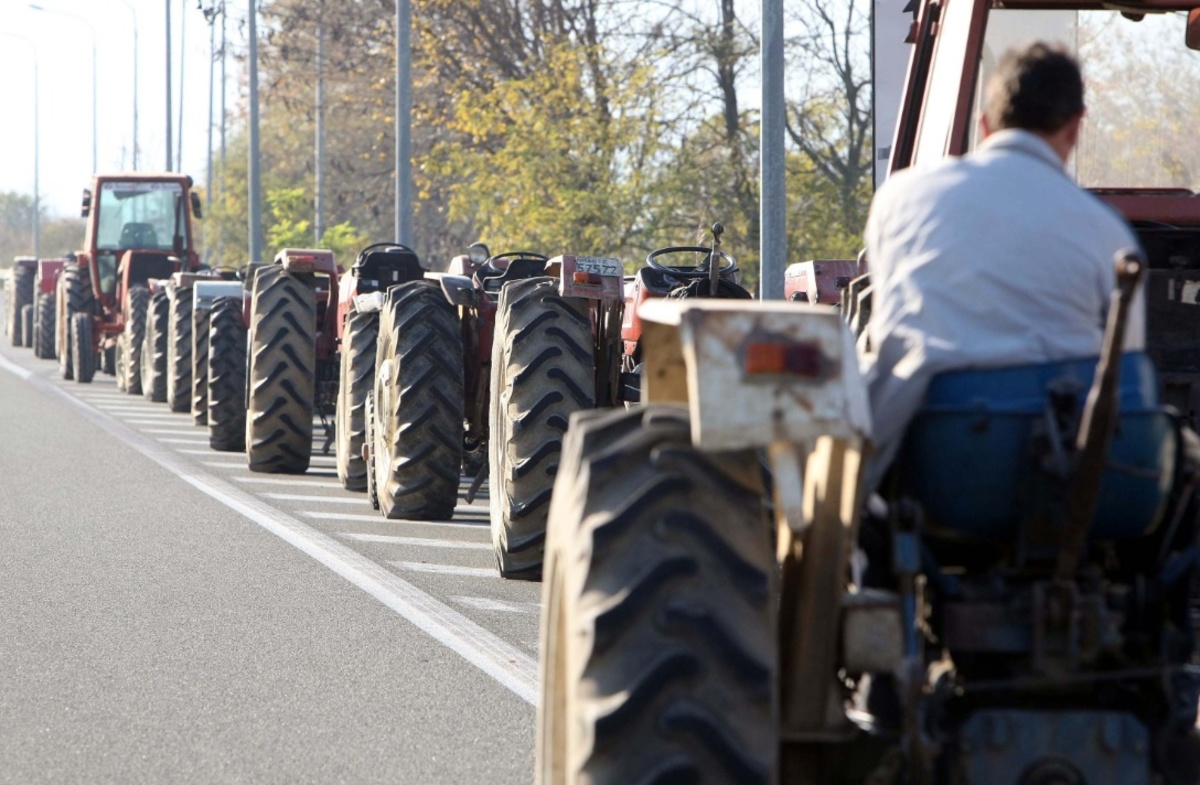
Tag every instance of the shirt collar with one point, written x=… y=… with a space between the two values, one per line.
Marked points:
x=1021 y=141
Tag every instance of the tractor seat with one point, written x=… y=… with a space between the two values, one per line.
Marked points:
x=493 y=275
x=138 y=235
x=381 y=269
x=973 y=456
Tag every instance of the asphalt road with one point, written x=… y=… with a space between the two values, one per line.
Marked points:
x=168 y=617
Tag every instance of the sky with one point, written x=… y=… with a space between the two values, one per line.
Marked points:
x=62 y=36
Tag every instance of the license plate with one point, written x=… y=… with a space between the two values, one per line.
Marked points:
x=600 y=265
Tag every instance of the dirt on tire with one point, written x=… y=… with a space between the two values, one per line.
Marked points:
x=282 y=372
x=658 y=651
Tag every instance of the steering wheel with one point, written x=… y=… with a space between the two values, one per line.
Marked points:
x=511 y=255
x=697 y=270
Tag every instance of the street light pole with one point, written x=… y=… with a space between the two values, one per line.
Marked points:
x=319 y=164
x=182 y=57
x=37 y=202
x=255 y=197
x=92 y=29
x=772 y=184
x=210 y=16
x=170 y=158
x=403 y=122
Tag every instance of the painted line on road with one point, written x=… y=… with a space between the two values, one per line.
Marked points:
x=377 y=518
x=446 y=569
x=152 y=419
x=507 y=664
x=416 y=542
x=488 y=604
x=182 y=441
x=330 y=483
x=300 y=497
x=214 y=464
x=170 y=431
x=112 y=407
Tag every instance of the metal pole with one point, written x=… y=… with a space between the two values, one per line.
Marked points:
x=182 y=58
x=221 y=227
x=255 y=198
x=772 y=185
x=135 y=89
x=319 y=207
x=170 y=157
x=403 y=122
x=208 y=179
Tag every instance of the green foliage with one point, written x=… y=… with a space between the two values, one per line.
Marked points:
x=58 y=235
x=291 y=229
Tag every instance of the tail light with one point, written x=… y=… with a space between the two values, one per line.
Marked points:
x=790 y=358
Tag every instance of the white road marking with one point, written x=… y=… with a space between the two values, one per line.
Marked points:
x=153 y=419
x=377 y=518
x=182 y=441
x=446 y=569
x=215 y=464
x=330 y=483
x=488 y=604
x=417 y=542
x=300 y=497
x=507 y=664
x=463 y=509
x=113 y=408
x=172 y=431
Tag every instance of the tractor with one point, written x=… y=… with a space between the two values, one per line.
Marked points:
x=18 y=295
x=564 y=343
x=291 y=359
x=1016 y=606
x=45 y=281
x=138 y=228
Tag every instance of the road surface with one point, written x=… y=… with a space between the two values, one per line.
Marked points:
x=166 y=616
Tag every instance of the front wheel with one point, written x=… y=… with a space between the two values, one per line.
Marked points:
x=357 y=377
x=83 y=350
x=43 y=328
x=130 y=343
x=154 y=349
x=27 y=326
x=659 y=654
x=226 y=374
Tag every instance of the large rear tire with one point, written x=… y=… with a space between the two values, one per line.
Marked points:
x=282 y=373
x=74 y=295
x=154 y=349
x=419 y=404
x=20 y=294
x=43 y=328
x=83 y=350
x=357 y=377
x=658 y=651
x=200 y=326
x=226 y=376
x=129 y=343
x=179 y=351
x=543 y=369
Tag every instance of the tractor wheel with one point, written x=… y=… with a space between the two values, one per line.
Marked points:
x=282 y=372
x=108 y=360
x=369 y=440
x=154 y=349
x=22 y=295
x=226 y=376
x=74 y=295
x=543 y=369
x=356 y=379
x=200 y=324
x=658 y=649
x=418 y=443
x=131 y=341
x=43 y=328
x=27 y=326
x=83 y=351
x=179 y=351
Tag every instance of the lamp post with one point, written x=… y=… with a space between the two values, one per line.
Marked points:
x=91 y=28
x=37 y=206
x=772 y=189
x=255 y=196
x=403 y=122
x=133 y=14
x=167 y=13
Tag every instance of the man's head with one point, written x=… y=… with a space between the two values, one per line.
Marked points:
x=1037 y=89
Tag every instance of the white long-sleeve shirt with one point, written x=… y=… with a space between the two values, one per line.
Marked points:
x=996 y=258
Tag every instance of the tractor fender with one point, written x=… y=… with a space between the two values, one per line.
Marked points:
x=459 y=290
x=371 y=302
x=205 y=293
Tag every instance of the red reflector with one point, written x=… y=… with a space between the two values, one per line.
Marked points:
x=797 y=359
x=590 y=278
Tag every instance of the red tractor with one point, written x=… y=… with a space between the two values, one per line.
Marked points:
x=139 y=228
x=18 y=295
